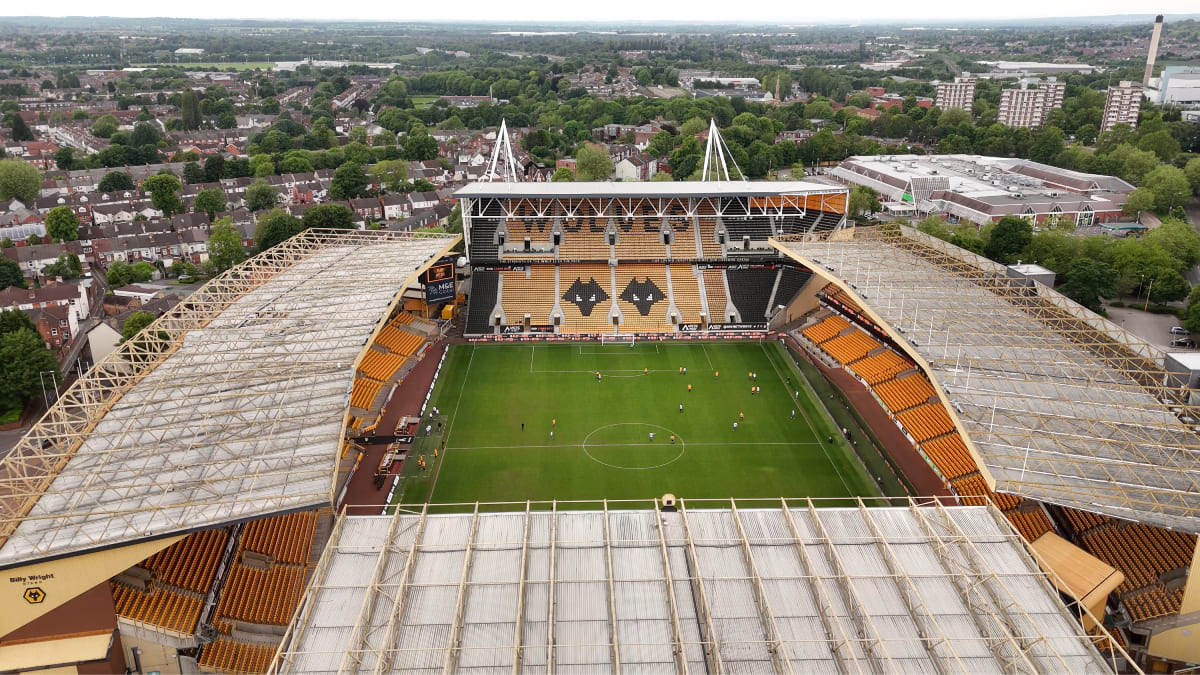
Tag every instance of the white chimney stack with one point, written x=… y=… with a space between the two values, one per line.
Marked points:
x=1153 y=50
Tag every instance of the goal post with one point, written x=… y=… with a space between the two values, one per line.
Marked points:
x=618 y=339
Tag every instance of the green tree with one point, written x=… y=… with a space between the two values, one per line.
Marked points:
x=189 y=105
x=23 y=361
x=1141 y=199
x=562 y=175
x=391 y=173
x=163 y=188
x=135 y=324
x=105 y=127
x=192 y=173
x=115 y=180
x=329 y=216
x=1192 y=171
x=1177 y=239
x=1161 y=143
x=10 y=274
x=65 y=158
x=261 y=195
x=863 y=201
x=19 y=180
x=592 y=163
x=142 y=272
x=274 y=227
x=67 y=266
x=18 y=129
x=13 y=320
x=1008 y=237
x=120 y=273
x=349 y=182
x=210 y=201
x=1088 y=281
x=420 y=147
x=7 y=242
x=262 y=166
x=225 y=245
x=1170 y=187
x=454 y=224
x=1132 y=164
x=62 y=224
x=1191 y=317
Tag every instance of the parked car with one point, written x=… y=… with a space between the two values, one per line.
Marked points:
x=1183 y=342
x=1178 y=330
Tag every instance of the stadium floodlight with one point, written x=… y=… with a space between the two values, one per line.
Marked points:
x=510 y=162
x=715 y=150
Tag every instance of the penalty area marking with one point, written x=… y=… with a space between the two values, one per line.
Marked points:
x=682 y=446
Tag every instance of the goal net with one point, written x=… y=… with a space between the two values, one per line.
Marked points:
x=617 y=339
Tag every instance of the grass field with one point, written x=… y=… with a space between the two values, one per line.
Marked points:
x=601 y=446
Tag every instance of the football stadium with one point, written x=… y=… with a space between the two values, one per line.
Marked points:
x=654 y=427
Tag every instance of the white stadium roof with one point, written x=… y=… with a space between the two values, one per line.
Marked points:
x=1061 y=405
x=697 y=189
x=922 y=589
x=231 y=406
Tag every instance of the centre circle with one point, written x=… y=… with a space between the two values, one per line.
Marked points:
x=627 y=445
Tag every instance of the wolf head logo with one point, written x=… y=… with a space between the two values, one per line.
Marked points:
x=642 y=294
x=585 y=296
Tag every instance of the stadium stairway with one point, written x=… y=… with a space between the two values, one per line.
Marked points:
x=484 y=287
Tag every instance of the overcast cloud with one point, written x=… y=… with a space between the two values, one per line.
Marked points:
x=607 y=11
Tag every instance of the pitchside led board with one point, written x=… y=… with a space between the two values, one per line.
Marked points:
x=439 y=281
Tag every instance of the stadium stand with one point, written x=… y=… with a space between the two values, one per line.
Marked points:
x=584 y=246
x=926 y=422
x=638 y=244
x=483 y=241
x=483 y=298
x=234 y=656
x=364 y=392
x=881 y=366
x=191 y=562
x=714 y=292
x=905 y=392
x=287 y=538
x=379 y=365
x=642 y=297
x=261 y=596
x=950 y=455
x=710 y=248
x=750 y=291
x=399 y=341
x=685 y=291
x=758 y=228
x=826 y=329
x=851 y=346
x=574 y=319
x=791 y=280
x=529 y=293
x=163 y=607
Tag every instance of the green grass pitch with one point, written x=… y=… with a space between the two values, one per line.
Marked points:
x=601 y=445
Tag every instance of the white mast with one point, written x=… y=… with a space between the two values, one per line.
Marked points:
x=510 y=162
x=716 y=147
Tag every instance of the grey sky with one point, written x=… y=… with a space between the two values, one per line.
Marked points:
x=550 y=11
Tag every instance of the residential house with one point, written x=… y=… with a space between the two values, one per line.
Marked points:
x=367 y=208
x=68 y=294
x=56 y=324
x=636 y=167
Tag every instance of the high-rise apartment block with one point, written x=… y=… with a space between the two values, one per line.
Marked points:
x=957 y=94
x=1122 y=106
x=1030 y=107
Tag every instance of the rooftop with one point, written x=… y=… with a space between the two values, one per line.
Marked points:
x=712 y=589
x=1060 y=404
x=231 y=406
x=645 y=189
